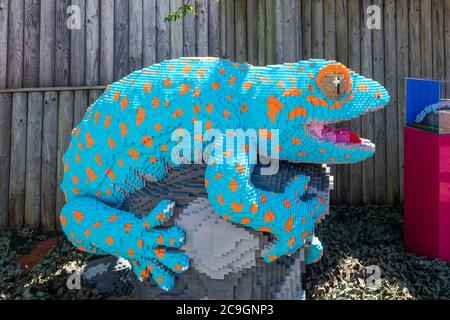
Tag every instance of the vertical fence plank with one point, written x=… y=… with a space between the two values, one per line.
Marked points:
x=47 y=44
x=33 y=160
x=201 y=29
x=15 y=44
x=355 y=65
x=229 y=51
x=270 y=32
x=342 y=184
x=162 y=31
x=176 y=32
x=3 y=41
x=121 y=44
x=31 y=43
x=93 y=96
x=262 y=32
x=189 y=34
x=18 y=160
x=78 y=45
x=380 y=116
x=252 y=31
x=106 y=41
x=279 y=32
x=149 y=32
x=402 y=73
x=415 y=66
x=317 y=28
x=214 y=31
x=62 y=54
x=240 y=35
x=5 y=144
x=136 y=27
x=437 y=18
x=80 y=103
x=306 y=29
x=367 y=125
x=426 y=36
x=93 y=42
x=65 y=125
x=392 y=160
x=49 y=161
x=292 y=24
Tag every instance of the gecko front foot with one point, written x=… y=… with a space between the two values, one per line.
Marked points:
x=93 y=226
x=287 y=216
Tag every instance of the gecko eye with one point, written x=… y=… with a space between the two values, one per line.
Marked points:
x=334 y=81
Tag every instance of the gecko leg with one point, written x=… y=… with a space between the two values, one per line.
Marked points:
x=285 y=215
x=93 y=226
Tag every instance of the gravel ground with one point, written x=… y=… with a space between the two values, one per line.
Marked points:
x=357 y=241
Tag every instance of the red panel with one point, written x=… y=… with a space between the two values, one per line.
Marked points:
x=444 y=212
x=421 y=192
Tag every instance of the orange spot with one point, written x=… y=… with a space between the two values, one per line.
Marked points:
x=75 y=179
x=363 y=88
x=196 y=92
x=133 y=153
x=156 y=102
x=127 y=227
x=140 y=117
x=209 y=108
x=208 y=125
x=120 y=162
x=287 y=204
x=269 y=217
x=89 y=140
x=66 y=166
x=111 y=143
x=304 y=235
x=177 y=113
x=232 y=80
x=297 y=112
x=158 y=127
x=63 y=220
x=108 y=121
x=140 y=243
x=168 y=82
x=240 y=168
x=215 y=86
x=146 y=225
x=294 y=92
x=110 y=174
x=109 y=240
x=291 y=242
x=187 y=69
x=237 y=207
x=254 y=208
x=275 y=107
x=76 y=191
x=226 y=114
x=96 y=117
x=265 y=229
x=91 y=174
x=97 y=225
x=123 y=129
x=113 y=219
x=177 y=267
x=220 y=199
x=247 y=85
x=288 y=225
x=245 y=221
x=98 y=159
x=218 y=176
x=160 y=279
x=130 y=252
x=124 y=103
x=201 y=73
x=87 y=233
x=77 y=157
x=164 y=148
x=147 y=141
x=244 y=108
x=116 y=96
x=316 y=101
x=233 y=185
x=185 y=89
x=144 y=274
x=147 y=88
x=160 y=253
x=296 y=141
x=263 y=198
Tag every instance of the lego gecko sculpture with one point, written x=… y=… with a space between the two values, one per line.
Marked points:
x=128 y=136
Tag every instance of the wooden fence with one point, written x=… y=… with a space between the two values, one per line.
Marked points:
x=116 y=37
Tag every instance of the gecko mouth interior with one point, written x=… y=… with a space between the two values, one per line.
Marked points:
x=340 y=137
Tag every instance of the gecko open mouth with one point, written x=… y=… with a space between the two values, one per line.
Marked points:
x=342 y=138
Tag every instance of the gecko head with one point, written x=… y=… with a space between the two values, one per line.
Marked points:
x=330 y=94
